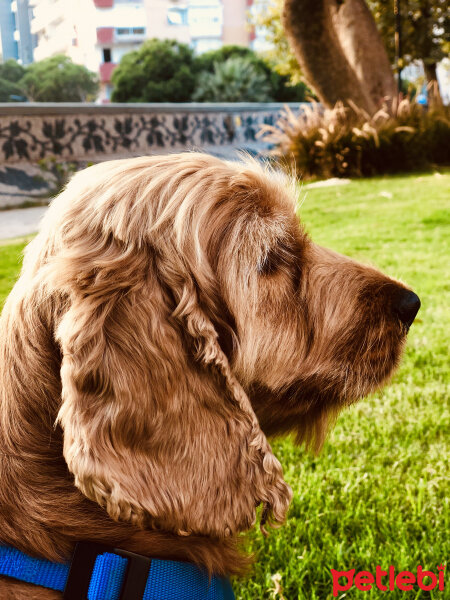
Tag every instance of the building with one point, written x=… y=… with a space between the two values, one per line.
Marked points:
x=17 y=40
x=97 y=33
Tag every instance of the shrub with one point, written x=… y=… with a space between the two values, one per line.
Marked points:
x=235 y=80
x=10 y=92
x=159 y=71
x=11 y=72
x=280 y=89
x=347 y=142
x=207 y=60
x=58 y=79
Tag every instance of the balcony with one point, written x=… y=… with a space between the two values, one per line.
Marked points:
x=106 y=70
x=104 y=3
x=105 y=35
x=125 y=35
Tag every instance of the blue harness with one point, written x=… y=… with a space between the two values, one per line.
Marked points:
x=99 y=572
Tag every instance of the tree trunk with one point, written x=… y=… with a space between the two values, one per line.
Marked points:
x=340 y=51
x=434 y=93
x=362 y=45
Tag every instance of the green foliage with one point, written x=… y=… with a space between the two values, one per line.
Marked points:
x=159 y=71
x=425 y=31
x=8 y=90
x=425 y=28
x=348 y=143
x=167 y=71
x=267 y=14
x=235 y=80
x=58 y=79
x=280 y=87
x=12 y=71
x=378 y=493
x=207 y=60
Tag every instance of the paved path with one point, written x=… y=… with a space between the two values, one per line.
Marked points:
x=20 y=221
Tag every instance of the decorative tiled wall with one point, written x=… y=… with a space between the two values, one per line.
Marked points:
x=81 y=132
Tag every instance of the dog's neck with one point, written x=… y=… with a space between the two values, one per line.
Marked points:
x=42 y=512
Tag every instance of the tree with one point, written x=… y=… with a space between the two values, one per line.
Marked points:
x=267 y=16
x=11 y=72
x=425 y=28
x=159 y=71
x=10 y=91
x=281 y=87
x=340 y=51
x=58 y=79
x=234 y=80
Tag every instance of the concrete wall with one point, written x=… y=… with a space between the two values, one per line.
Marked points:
x=80 y=132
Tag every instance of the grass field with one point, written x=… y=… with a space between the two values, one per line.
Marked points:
x=378 y=494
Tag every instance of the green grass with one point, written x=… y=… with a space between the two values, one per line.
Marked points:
x=10 y=263
x=378 y=494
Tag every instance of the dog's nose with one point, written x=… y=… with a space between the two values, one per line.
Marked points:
x=407 y=307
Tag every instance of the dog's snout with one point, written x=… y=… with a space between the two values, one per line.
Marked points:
x=407 y=307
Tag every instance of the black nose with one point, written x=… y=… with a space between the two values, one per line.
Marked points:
x=407 y=307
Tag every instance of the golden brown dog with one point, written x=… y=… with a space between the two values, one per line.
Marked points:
x=171 y=313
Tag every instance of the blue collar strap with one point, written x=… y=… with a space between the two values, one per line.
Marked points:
x=99 y=572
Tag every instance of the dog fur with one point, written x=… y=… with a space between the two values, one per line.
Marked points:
x=171 y=314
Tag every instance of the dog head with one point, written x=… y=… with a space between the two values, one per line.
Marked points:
x=196 y=314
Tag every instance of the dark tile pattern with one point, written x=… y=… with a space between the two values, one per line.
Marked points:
x=80 y=136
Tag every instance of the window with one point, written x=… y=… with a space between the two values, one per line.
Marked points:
x=107 y=55
x=123 y=31
x=177 y=16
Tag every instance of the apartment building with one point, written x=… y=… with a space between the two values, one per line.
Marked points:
x=16 y=39
x=97 y=33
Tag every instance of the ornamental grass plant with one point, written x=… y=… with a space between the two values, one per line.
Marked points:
x=348 y=142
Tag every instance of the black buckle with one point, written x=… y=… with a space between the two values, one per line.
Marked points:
x=82 y=565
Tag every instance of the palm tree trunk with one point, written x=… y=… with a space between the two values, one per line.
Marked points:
x=340 y=51
x=362 y=44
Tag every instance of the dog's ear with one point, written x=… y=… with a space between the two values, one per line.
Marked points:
x=156 y=428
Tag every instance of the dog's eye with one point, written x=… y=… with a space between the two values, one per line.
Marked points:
x=275 y=258
x=270 y=263
x=285 y=256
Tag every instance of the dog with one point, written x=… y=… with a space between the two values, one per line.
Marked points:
x=172 y=314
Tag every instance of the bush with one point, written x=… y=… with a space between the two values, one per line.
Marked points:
x=159 y=71
x=344 y=142
x=10 y=92
x=235 y=80
x=280 y=89
x=11 y=72
x=58 y=79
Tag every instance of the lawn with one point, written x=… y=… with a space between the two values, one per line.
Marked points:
x=378 y=494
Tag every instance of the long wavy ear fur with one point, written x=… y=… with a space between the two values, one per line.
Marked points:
x=156 y=427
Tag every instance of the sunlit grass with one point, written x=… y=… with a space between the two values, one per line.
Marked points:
x=378 y=494
x=379 y=491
